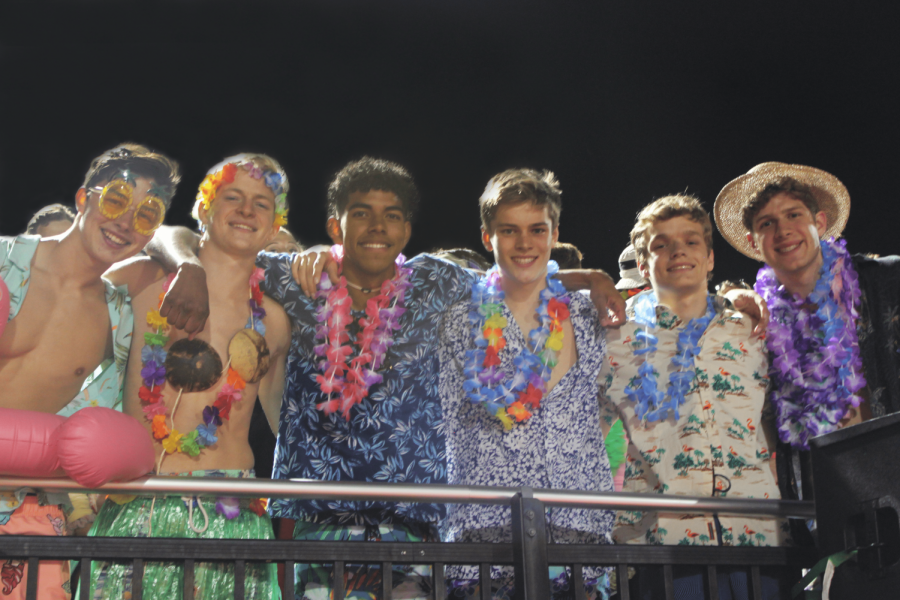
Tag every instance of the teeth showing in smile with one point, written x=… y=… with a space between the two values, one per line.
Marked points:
x=242 y=226
x=521 y=260
x=374 y=245
x=681 y=268
x=788 y=249
x=115 y=239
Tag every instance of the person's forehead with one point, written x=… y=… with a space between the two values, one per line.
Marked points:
x=524 y=211
x=248 y=185
x=780 y=202
x=680 y=225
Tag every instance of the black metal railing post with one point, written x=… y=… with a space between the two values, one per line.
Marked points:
x=529 y=535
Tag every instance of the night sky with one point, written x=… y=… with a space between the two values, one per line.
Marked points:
x=626 y=101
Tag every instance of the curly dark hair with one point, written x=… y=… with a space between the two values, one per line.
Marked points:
x=141 y=161
x=368 y=174
x=787 y=185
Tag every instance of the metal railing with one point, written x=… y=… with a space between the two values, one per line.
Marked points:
x=529 y=554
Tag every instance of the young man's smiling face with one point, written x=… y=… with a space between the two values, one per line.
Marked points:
x=521 y=237
x=787 y=234
x=373 y=230
x=679 y=261
x=242 y=215
x=111 y=240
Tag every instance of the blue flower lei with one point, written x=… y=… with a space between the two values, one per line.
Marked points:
x=816 y=365
x=650 y=402
x=491 y=386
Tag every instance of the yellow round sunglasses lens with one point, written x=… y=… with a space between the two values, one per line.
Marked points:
x=149 y=215
x=115 y=198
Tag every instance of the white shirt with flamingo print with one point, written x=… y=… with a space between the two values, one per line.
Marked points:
x=717 y=446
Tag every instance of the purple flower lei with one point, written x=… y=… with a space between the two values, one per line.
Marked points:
x=816 y=365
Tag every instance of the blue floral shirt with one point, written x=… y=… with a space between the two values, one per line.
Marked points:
x=396 y=434
x=559 y=447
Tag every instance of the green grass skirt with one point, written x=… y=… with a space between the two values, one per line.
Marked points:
x=165 y=580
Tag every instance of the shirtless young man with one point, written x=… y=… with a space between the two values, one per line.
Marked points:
x=57 y=293
x=195 y=396
x=522 y=410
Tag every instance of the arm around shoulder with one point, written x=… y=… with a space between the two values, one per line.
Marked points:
x=278 y=337
x=137 y=273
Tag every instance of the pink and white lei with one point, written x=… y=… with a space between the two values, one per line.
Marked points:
x=346 y=385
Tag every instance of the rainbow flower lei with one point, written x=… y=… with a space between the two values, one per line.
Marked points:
x=504 y=395
x=351 y=383
x=153 y=358
x=816 y=364
x=650 y=402
x=212 y=182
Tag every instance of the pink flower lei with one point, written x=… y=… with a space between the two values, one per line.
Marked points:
x=351 y=383
x=816 y=364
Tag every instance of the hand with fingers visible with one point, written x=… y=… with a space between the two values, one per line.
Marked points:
x=186 y=304
x=751 y=304
x=607 y=299
x=307 y=268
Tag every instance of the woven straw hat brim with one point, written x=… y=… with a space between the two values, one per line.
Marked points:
x=831 y=195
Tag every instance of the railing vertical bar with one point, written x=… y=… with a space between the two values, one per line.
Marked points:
x=338 y=580
x=137 y=579
x=439 y=584
x=622 y=582
x=31 y=582
x=669 y=582
x=387 y=580
x=484 y=575
x=529 y=538
x=188 y=590
x=713 y=577
x=757 y=582
x=289 y=587
x=240 y=568
x=84 y=579
x=578 y=582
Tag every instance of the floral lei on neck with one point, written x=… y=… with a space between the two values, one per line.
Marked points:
x=153 y=358
x=504 y=395
x=351 y=383
x=210 y=185
x=650 y=403
x=816 y=366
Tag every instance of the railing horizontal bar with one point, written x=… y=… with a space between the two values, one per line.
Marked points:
x=173 y=549
x=394 y=492
x=635 y=555
x=149 y=549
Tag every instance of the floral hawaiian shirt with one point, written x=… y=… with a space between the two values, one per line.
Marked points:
x=396 y=434
x=717 y=446
x=560 y=446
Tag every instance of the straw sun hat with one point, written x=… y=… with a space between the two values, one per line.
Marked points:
x=829 y=192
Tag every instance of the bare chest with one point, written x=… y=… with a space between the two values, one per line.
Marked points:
x=567 y=356
x=55 y=341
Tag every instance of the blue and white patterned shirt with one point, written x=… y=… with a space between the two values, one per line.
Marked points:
x=396 y=434
x=559 y=447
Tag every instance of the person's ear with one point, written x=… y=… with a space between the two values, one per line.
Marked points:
x=81 y=200
x=645 y=270
x=821 y=223
x=408 y=228
x=752 y=241
x=333 y=227
x=486 y=240
x=555 y=236
x=204 y=215
x=710 y=261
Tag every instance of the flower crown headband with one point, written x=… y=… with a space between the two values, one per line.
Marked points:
x=274 y=181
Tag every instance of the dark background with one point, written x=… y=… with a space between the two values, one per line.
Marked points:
x=625 y=101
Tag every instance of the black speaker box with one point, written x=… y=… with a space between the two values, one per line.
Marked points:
x=856 y=481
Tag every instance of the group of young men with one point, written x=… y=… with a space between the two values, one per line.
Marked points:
x=372 y=367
